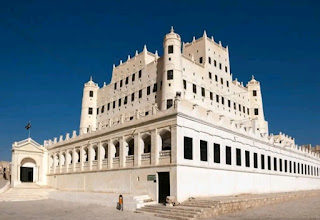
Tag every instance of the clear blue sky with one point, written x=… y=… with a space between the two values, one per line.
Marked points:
x=48 y=49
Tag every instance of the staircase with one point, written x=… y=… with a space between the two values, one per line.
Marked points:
x=25 y=192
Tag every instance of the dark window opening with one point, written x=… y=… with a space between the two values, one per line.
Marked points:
x=155 y=87
x=269 y=163
x=228 y=155
x=140 y=73
x=262 y=161
x=255 y=160
x=90 y=111
x=194 y=88
x=148 y=90
x=275 y=164
x=256 y=111
x=133 y=77
x=203 y=150
x=169 y=103
x=238 y=157
x=184 y=84
x=140 y=93
x=254 y=92
x=200 y=60
x=187 y=148
x=247 y=157
x=169 y=74
x=170 y=49
x=90 y=93
x=203 y=93
x=216 y=155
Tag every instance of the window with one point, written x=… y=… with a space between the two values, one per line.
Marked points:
x=155 y=87
x=194 y=88
x=102 y=109
x=285 y=166
x=239 y=107
x=203 y=150
x=256 y=111
x=200 y=60
x=254 y=92
x=294 y=167
x=132 y=97
x=262 y=161
x=248 y=111
x=247 y=157
x=108 y=107
x=280 y=165
x=244 y=109
x=210 y=75
x=170 y=49
x=140 y=73
x=302 y=168
x=203 y=93
x=227 y=83
x=229 y=103
x=216 y=78
x=216 y=155
x=221 y=80
x=125 y=100
x=119 y=102
x=120 y=83
x=215 y=63
x=169 y=103
x=228 y=155
x=269 y=163
x=255 y=160
x=226 y=69
x=90 y=111
x=133 y=77
x=222 y=100
x=275 y=164
x=90 y=93
x=97 y=111
x=211 y=96
x=184 y=84
x=209 y=60
x=187 y=148
x=238 y=156
x=127 y=80
x=115 y=86
x=235 y=106
x=290 y=167
x=220 y=66
x=169 y=74
x=298 y=168
x=217 y=98
x=140 y=93
x=148 y=90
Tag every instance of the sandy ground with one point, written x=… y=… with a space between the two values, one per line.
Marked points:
x=56 y=210
x=305 y=208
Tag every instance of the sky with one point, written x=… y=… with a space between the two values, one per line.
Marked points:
x=49 y=49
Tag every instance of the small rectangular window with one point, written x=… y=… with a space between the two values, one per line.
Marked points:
x=119 y=102
x=229 y=103
x=280 y=165
x=238 y=157
x=120 y=83
x=102 y=109
x=127 y=80
x=247 y=157
x=248 y=111
x=255 y=160
x=90 y=111
x=108 y=106
x=132 y=97
x=285 y=166
x=209 y=60
x=222 y=100
x=215 y=63
x=226 y=69
x=216 y=78
x=170 y=49
x=114 y=104
x=155 y=87
x=194 y=88
x=210 y=75
x=203 y=150
x=301 y=168
x=216 y=155
x=90 y=93
x=169 y=74
x=140 y=93
x=211 y=96
x=203 y=93
x=133 y=77
x=256 y=111
x=239 y=107
x=244 y=109
x=97 y=111
x=217 y=98
x=220 y=66
x=140 y=73
x=228 y=155
x=148 y=90
x=235 y=106
x=294 y=167
x=125 y=100
x=290 y=166
x=254 y=92
x=275 y=164
x=298 y=168
x=221 y=80
x=269 y=163
x=115 y=86
x=227 y=83
x=184 y=84
x=187 y=148
x=262 y=161
x=200 y=60
x=169 y=103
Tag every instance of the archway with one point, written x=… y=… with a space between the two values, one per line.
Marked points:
x=165 y=138
x=28 y=170
x=146 y=143
x=130 y=146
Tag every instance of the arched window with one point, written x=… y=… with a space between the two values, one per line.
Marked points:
x=105 y=150
x=85 y=154
x=146 y=139
x=78 y=155
x=95 y=151
x=165 y=140
x=117 y=148
x=130 y=143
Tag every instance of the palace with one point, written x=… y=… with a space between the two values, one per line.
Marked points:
x=176 y=125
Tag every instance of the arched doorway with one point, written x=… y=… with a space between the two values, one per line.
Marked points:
x=28 y=170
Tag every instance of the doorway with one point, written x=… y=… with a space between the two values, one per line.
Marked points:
x=163 y=186
x=26 y=174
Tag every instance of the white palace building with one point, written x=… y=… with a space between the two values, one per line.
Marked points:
x=175 y=125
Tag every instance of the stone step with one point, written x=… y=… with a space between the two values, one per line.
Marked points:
x=174 y=217
x=175 y=208
x=187 y=212
x=170 y=213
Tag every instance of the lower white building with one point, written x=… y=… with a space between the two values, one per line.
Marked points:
x=160 y=132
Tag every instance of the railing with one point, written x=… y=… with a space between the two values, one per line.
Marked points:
x=129 y=157
x=165 y=153
x=94 y=162
x=145 y=156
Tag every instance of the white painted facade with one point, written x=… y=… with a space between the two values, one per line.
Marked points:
x=140 y=123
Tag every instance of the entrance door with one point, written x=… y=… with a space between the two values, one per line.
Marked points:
x=164 y=186
x=26 y=174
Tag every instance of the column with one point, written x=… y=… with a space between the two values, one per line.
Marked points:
x=74 y=161
x=154 y=147
x=176 y=141
x=90 y=157
x=66 y=161
x=81 y=158
x=122 y=152
x=137 y=150
x=110 y=153
x=100 y=155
